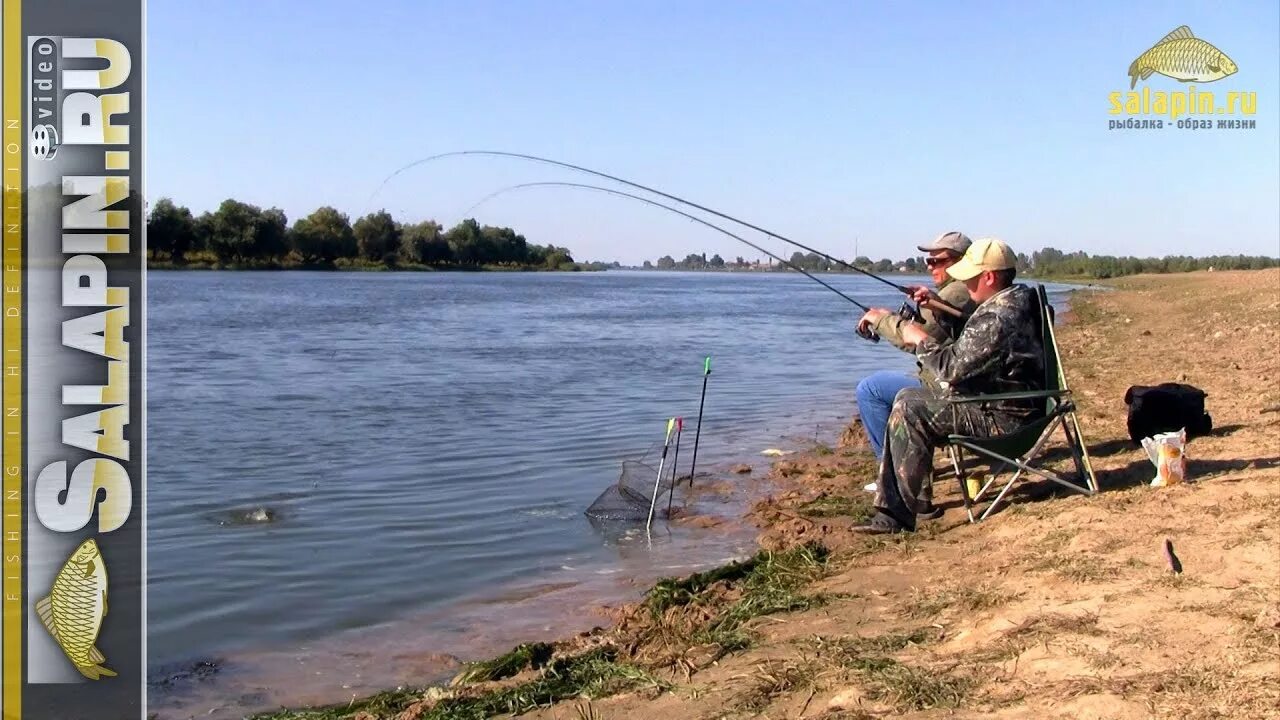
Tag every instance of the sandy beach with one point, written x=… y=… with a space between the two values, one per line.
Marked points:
x=1059 y=605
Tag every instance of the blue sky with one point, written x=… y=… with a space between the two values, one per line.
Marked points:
x=829 y=122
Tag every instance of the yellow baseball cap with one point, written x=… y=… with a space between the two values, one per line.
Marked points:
x=982 y=256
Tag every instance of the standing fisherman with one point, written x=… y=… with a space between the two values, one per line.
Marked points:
x=876 y=392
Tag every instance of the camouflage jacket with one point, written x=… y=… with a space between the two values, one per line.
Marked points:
x=939 y=326
x=998 y=351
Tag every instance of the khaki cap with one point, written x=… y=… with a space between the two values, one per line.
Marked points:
x=984 y=255
x=955 y=241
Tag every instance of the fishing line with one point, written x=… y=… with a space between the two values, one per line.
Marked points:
x=655 y=203
x=900 y=288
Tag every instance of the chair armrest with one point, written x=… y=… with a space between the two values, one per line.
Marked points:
x=997 y=397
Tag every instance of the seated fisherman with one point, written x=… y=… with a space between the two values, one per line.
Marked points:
x=876 y=391
x=999 y=350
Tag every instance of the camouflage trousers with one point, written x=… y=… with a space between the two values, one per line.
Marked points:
x=918 y=424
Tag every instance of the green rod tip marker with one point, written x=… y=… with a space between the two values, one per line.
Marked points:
x=706 y=366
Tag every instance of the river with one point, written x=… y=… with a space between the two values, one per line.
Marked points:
x=422 y=446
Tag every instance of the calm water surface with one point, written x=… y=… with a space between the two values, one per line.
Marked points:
x=426 y=438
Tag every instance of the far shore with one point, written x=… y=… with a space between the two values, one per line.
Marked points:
x=347 y=265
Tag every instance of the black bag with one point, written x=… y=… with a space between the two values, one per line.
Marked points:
x=1167 y=407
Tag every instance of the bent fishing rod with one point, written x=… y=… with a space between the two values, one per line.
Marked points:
x=585 y=186
x=933 y=301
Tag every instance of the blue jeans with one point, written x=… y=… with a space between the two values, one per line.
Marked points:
x=875 y=399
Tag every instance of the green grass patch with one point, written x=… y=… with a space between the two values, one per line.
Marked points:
x=672 y=592
x=522 y=657
x=774 y=585
x=769 y=582
x=384 y=704
x=858 y=509
x=591 y=675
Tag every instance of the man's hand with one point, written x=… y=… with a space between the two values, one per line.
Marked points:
x=912 y=334
x=922 y=294
x=927 y=298
x=869 y=320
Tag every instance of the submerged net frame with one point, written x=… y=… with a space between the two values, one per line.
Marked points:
x=629 y=498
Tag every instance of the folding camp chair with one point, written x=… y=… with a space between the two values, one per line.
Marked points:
x=1017 y=450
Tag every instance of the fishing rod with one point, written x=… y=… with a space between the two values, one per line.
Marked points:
x=706 y=373
x=675 y=464
x=866 y=334
x=658 y=480
x=933 y=302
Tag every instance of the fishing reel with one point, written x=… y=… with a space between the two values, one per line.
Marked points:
x=910 y=312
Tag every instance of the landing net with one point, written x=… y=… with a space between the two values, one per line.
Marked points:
x=629 y=498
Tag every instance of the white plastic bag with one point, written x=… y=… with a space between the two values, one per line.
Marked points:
x=1167 y=452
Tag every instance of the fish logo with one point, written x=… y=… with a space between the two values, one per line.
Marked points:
x=74 y=608
x=1183 y=57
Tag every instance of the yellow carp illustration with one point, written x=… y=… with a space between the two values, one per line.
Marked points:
x=74 y=608
x=1183 y=57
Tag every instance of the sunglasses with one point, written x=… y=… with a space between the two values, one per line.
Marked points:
x=935 y=262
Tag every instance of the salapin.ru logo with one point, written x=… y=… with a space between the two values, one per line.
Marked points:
x=1183 y=57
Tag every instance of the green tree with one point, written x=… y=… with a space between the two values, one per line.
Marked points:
x=465 y=242
x=503 y=245
x=324 y=236
x=717 y=261
x=885 y=265
x=425 y=243
x=203 y=231
x=377 y=236
x=558 y=257
x=666 y=262
x=273 y=234
x=239 y=231
x=171 y=229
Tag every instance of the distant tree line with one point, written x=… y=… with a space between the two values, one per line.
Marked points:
x=1046 y=263
x=810 y=261
x=239 y=233
x=1050 y=262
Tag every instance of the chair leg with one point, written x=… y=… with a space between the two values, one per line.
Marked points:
x=1079 y=452
x=1003 y=491
x=1022 y=464
x=997 y=469
x=957 y=462
x=1074 y=447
